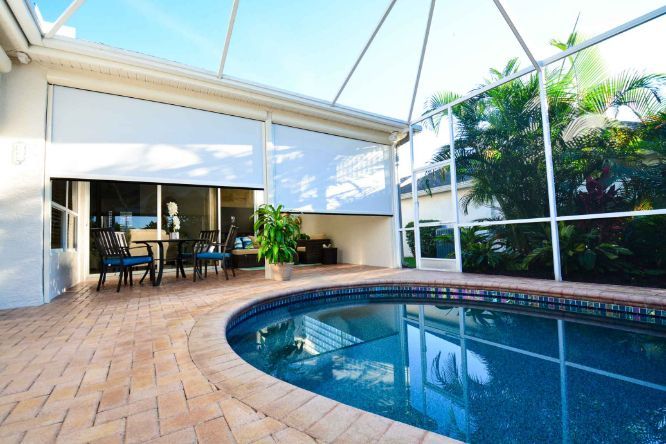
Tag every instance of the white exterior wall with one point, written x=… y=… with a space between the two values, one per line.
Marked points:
x=30 y=272
x=68 y=267
x=23 y=97
x=362 y=240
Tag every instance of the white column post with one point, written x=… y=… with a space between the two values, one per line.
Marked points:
x=395 y=194
x=269 y=189
x=550 y=176
x=415 y=201
x=454 y=194
x=46 y=202
x=159 y=211
x=219 y=215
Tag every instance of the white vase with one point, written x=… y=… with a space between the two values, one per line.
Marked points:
x=174 y=235
x=281 y=272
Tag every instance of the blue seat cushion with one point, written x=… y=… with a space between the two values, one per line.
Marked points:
x=128 y=261
x=213 y=255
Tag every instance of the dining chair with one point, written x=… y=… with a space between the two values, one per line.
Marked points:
x=113 y=255
x=204 y=251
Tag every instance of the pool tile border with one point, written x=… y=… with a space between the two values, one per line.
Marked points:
x=611 y=310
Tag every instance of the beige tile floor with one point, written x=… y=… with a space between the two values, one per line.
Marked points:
x=129 y=367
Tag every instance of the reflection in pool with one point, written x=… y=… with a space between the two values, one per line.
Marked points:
x=485 y=376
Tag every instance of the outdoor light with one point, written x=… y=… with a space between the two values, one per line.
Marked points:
x=18 y=153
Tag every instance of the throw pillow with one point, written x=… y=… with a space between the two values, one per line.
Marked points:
x=238 y=243
x=247 y=242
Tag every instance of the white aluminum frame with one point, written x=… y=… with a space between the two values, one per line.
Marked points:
x=227 y=40
x=364 y=50
x=424 y=46
x=550 y=177
x=553 y=218
x=454 y=193
x=60 y=21
x=545 y=62
x=35 y=36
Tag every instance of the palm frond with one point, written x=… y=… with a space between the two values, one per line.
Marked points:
x=639 y=92
x=434 y=102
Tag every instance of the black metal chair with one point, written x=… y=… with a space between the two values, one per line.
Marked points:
x=113 y=255
x=211 y=236
x=204 y=251
x=122 y=240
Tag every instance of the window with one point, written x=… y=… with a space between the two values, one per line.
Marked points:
x=64 y=214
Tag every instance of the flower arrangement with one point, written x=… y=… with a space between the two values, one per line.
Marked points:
x=174 y=220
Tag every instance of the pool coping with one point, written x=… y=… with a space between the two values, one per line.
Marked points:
x=327 y=420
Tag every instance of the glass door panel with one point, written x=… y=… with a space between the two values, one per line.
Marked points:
x=126 y=206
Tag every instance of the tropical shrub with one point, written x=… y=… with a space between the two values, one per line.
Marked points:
x=277 y=234
x=428 y=238
x=582 y=251
x=483 y=251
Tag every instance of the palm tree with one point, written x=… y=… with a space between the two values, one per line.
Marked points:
x=602 y=161
x=499 y=141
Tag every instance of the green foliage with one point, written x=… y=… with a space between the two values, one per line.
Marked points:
x=582 y=251
x=482 y=250
x=646 y=235
x=428 y=238
x=277 y=234
x=608 y=137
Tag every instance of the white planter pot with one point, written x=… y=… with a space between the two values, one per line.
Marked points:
x=174 y=235
x=281 y=272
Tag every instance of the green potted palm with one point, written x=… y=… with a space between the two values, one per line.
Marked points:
x=277 y=235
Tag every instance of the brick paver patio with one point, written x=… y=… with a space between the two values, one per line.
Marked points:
x=108 y=367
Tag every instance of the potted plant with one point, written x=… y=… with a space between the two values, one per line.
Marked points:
x=277 y=235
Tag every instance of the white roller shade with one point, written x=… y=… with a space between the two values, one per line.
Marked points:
x=102 y=136
x=320 y=173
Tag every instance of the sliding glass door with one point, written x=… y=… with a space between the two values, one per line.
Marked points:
x=141 y=211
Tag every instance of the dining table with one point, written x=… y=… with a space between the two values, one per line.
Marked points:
x=160 y=255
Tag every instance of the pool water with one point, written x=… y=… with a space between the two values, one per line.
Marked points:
x=472 y=373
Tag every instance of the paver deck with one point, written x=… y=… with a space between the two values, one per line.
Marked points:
x=144 y=365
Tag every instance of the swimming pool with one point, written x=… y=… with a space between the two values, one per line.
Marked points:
x=474 y=371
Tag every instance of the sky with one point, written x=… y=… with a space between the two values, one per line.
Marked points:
x=309 y=46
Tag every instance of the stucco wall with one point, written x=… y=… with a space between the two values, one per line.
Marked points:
x=438 y=207
x=23 y=96
x=363 y=240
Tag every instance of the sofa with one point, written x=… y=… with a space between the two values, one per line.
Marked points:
x=247 y=257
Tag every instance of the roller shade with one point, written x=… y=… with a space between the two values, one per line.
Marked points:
x=321 y=173
x=103 y=136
